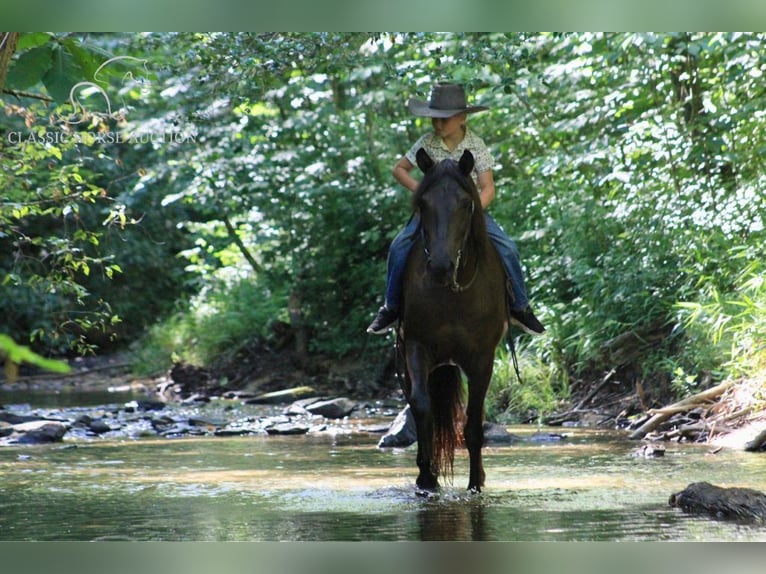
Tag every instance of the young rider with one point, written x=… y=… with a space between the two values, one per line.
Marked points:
x=450 y=137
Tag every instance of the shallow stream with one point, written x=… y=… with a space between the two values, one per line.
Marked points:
x=337 y=485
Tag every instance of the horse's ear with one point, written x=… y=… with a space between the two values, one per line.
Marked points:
x=466 y=163
x=424 y=160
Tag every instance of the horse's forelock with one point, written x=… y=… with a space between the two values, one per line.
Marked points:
x=449 y=168
x=443 y=169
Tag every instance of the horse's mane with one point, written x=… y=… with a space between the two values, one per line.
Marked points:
x=449 y=168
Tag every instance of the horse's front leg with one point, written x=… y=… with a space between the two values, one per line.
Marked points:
x=479 y=377
x=418 y=366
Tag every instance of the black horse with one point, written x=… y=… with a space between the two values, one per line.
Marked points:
x=453 y=317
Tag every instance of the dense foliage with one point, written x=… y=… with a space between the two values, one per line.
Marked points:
x=252 y=185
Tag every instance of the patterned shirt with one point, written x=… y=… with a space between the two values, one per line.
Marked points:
x=438 y=151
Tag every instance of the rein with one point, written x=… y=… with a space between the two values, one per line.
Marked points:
x=455 y=285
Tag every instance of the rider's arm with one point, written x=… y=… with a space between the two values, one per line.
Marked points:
x=401 y=174
x=486 y=188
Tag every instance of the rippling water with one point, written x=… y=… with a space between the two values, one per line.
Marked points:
x=341 y=487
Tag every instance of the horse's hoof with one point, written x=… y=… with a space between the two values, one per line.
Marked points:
x=427 y=483
x=474 y=489
x=426 y=487
x=428 y=494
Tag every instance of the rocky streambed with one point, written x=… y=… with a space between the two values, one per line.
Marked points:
x=387 y=421
x=189 y=401
x=215 y=416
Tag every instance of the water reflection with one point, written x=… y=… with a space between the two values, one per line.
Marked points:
x=20 y=400
x=344 y=488
x=458 y=518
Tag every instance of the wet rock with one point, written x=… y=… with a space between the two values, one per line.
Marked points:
x=239 y=429
x=99 y=426
x=725 y=503
x=163 y=423
x=332 y=408
x=205 y=422
x=238 y=395
x=38 y=432
x=375 y=429
x=547 y=437
x=649 y=451
x=757 y=443
x=496 y=434
x=283 y=396
x=6 y=429
x=385 y=407
x=144 y=405
x=288 y=429
x=298 y=408
x=402 y=431
x=179 y=429
x=277 y=420
x=14 y=419
x=83 y=421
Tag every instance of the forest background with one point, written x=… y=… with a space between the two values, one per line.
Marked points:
x=203 y=197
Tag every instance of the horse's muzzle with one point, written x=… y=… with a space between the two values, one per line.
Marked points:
x=441 y=270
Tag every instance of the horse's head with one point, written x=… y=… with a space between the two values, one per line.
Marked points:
x=449 y=206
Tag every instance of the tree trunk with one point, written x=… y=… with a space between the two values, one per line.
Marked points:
x=8 y=42
x=232 y=231
x=296 y=322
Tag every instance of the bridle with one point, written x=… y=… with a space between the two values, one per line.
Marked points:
x=455 y=285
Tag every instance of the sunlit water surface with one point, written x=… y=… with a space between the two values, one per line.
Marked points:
x=339 y=486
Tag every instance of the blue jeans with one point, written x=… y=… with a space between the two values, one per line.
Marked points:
x=506 y=248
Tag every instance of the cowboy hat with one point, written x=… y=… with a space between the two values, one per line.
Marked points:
x=446 y=101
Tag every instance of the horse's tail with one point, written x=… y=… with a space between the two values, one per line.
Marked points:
x=446 y=391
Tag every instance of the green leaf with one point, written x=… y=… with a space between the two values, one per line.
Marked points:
x=16 y=354
x=64 y=73
x=30 y=40
x=87 y=61
x=29 y=69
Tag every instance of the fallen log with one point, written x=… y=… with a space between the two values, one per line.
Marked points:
x=689 y=403
x=725 y=503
